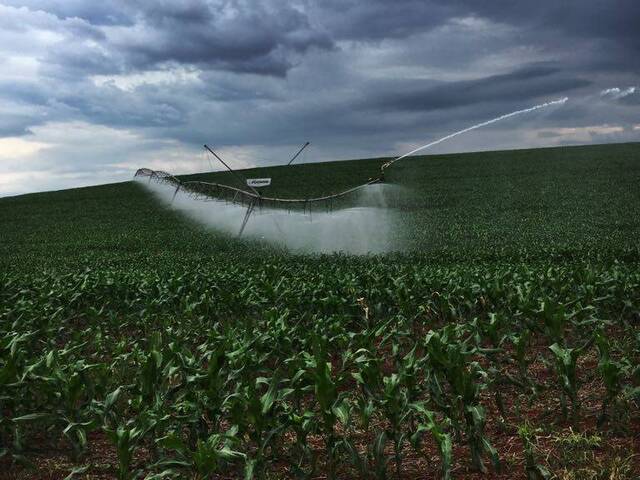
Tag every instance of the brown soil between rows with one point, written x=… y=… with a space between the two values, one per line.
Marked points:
x=54 y=461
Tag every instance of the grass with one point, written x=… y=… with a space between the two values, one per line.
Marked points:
x=136 y=342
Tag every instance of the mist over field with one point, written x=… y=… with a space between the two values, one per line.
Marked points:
x=365 y=228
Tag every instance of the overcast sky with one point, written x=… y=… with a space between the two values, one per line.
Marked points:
x=92 y=90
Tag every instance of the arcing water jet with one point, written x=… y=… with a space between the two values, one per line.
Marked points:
x=478 y=125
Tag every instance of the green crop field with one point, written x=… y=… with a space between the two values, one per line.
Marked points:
x=501 y=340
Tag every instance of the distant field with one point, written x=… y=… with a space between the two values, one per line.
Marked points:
x=503 y=338
x=525 y=199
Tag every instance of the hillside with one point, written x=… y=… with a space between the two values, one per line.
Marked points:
x=568 y=197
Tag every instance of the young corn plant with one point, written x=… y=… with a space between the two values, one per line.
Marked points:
x=612 y=373
x=331 y=405
x=127 y=438
x=205 y=389
x=489 y=332
x=410 y=367
x=153 y=392
x=448 y=359
x=76 y=389
x=210 y=456
x=300 y=417
x=565 y=361
x=379 y=458
x=369 y=377
x=395 y=405
x=533 y=469
x=476 y=419
x=520 y=342
x=304 y=465
x=427 y=423
x=261 y=416
x=555 y=320
x=373 y=462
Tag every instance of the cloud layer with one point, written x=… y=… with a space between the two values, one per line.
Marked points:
x=91 y=90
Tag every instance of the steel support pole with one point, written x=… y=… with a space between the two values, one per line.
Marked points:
x=246 y=217
x=175 y=193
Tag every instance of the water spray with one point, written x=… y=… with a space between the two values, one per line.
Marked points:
x=618 y=93
x=474 y=127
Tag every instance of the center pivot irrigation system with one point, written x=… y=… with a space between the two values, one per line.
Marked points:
x=252 y=199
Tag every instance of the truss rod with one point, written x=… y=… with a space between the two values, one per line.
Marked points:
x=237 y=175
x=299 y=152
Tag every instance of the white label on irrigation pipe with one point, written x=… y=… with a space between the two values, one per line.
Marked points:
x=258 y=182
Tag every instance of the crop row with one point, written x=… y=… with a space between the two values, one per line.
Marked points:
x=220 y=369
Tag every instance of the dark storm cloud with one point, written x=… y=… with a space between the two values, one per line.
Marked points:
x=615 y=19
x=587 y=18
x=520 y=85
x=102 y=12
x=243 y=37
x=73 y=61
x=602 y=34
x=15 y=125
x=27 y=93
x=239 y=36
x=607 y=31
x=265 y=37
x=379 y=19
x=632 y=99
